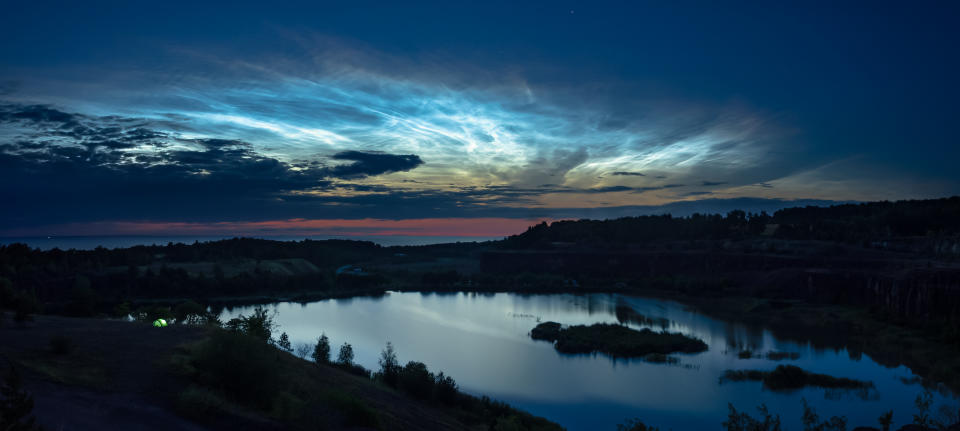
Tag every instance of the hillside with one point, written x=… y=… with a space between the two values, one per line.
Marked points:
x=132 y=376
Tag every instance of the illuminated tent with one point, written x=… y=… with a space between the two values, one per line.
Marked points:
x=160 y=323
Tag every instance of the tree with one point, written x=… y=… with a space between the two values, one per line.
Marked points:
x=16 y=405
x=259 y=324
x=811 y=422
x=284 y=343
x=635 y=425
x=321 y=352
x=923 y=403
x=346 y=354
x=416 y=380
x=886 y=420
x=389 y=367
x=445 y=389
x=738 y=421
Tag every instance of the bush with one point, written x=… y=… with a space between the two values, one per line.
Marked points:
x=242 y=367
x=16 y=405
x=259 y=325
x=415 y=380
x=739 y=421
x=811 y=422
x=445 y=390
x=886 y=420
x=60 y=344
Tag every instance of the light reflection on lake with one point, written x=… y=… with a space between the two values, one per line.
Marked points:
x=482 y=341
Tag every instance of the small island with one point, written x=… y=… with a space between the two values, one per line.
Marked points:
x=789 y=377
x=615 y=340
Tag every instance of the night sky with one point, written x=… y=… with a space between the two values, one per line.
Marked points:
x=463 y=119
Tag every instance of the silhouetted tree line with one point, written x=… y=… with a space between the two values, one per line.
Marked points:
x=852 y=223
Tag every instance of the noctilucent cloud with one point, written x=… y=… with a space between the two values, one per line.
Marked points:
x=463 y=119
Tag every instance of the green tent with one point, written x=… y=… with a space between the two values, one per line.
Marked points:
x=159 y=323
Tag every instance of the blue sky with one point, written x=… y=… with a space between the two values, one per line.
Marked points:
x=178 y=112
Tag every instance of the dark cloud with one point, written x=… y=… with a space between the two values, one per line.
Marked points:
x=712 y=183
x=37 y=114
x=625 y=173
x=366 y=164
x=697 y=193
x=75 y=168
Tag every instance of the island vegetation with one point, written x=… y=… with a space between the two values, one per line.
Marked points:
x=615 y=340
x=789 y=377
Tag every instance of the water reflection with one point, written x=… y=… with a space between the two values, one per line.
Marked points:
x=482 y=340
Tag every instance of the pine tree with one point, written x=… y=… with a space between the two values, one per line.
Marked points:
x=284 y=343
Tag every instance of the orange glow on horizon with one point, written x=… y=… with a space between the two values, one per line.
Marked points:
x=454 y=227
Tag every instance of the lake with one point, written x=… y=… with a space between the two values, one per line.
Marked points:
x=482 y=341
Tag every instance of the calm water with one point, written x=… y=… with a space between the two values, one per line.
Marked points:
x=483 y=342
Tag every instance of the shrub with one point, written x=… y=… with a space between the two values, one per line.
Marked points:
x=445 y=390
x=60 y=344
x=886 y=420
x=415 y=380
x=739 y=421
x=16 y=405
x=923 y=403
x=811 y=422
x=242 y=367
x=259 y=324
